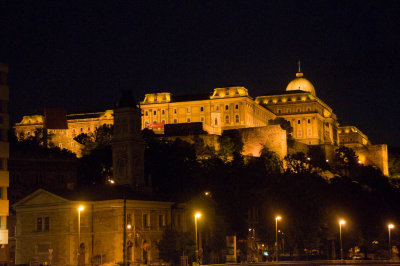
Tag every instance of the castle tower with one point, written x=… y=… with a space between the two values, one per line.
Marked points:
x=127 y=144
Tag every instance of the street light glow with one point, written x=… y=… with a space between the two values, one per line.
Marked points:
x=278 y=218
x=342 y=222
x=390 y=226
x=129 y=226
x=197 y=215
x=81 y=208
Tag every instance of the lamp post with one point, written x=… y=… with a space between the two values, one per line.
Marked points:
x=341 y=222
x=80 y=208
x=277 y=218
x=390 y=226
x=196 y=216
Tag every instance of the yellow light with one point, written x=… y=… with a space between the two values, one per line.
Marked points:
x=81 y=208
x=359 y=162
x=129 y=226
x=207 y=193
x=390 y=226
x=342 y=222
x=278 y=218
x=197 y=215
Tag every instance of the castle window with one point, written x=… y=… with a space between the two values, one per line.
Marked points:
x=28 y=133
x=146 y=220
x=309 y=121
x=298 y=121
x=188 y=120
x=308 y=109
x=299 y=133
x=175 y=121
x=236 y=106
x=216 y=121
x=96 y=127
x=163 y=112
x=227 y=119
x=146 y=124
x=81 y=129
x=298 y=110
x=226 y=107
x=237 y=118
x=188 y=110
x=146 y=113
x=174 y=110
x=155 y=112
x=163 y=121
x=202 y=119
x=46 y=224
x=310 y=142
x=216 y=107
x=288 y=111
x=201 y=109
x=88 y=128
x=161 y=220
x=279 y=111
x=309 y=132
x=155 y=122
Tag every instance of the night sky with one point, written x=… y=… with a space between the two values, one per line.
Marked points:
x=80 y=55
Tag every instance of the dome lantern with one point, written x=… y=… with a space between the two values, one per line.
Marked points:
x=300 y=83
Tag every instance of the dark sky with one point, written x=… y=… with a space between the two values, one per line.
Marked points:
x=80 y=55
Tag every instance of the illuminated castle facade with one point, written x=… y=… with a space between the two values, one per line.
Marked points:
x=312 y=120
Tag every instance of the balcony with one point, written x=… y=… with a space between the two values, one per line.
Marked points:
x=4 y=178
x=4 y=206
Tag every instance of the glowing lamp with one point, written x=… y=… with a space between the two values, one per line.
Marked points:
x=129 y=226
x=81 y=208
x=197 y=215
x=278 y=218
x=390 y=226
x=342 y=222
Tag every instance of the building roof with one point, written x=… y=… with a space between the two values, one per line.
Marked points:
x=191 y=97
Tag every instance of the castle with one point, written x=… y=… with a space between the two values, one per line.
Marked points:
x=312 y=120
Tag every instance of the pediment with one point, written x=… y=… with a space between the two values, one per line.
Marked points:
x=40 y=197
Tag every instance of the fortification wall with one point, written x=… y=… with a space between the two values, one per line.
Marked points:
x=376 y=155
x=272 y=136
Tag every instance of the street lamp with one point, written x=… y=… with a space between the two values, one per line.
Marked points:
x=390 y=226
x=277 y=218
x=80 y=208
x=341 y=222
x=196 y=216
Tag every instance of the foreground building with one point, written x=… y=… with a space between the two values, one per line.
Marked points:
x=313 y=121
x=4 y=156
x=115 y=223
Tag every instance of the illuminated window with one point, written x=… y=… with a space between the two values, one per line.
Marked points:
x=188 y=110
x=155 y=112
x=298 y=121
x=175 y=111
x=161 y=220
x=299 y=132
x=146 y=220
x=188 y=120
x=217 y=107
x=146 y=124
x=227 y=119
x=146 y=113
x=226 y=107
x=202 y=119
x=163 y=112
x=73 y=130
x=309 y=121
x=237 y=118
x=309 y=132
x=237 y=106
x=201 y=109
x=175 y=121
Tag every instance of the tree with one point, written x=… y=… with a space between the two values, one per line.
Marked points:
x=174 y=244
x=346 y=159
x=97 y=140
